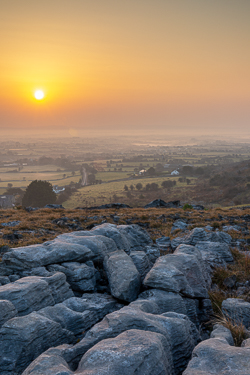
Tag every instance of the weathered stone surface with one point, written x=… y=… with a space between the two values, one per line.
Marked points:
x=51 y=252
x=163 y=243
x=141 y=261
x=221 y=332
x=153 y=253
x=132 y=352
x=124 y=279
x=99 y=245
x=199 y=234
x=177 y=330
x=50 y=362
x=216 y=356
x=191 y=250
x=166 y=301
x=238 y=310
x=4 y=280
x=80 y=277
x=138 y=238
x=179 y=224
x=166 y=276
x=215 y=253
x=27 y=294
x=189 y=265
x=22 y=339
x=73 y=321
x=60 y=289
x=7 y=311
x=38 y=271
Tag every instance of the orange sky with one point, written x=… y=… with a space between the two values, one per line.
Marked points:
x=128 y=63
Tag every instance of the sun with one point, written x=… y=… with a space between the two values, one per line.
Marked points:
x=39 y=94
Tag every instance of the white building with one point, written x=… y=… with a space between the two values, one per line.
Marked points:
x=175 y=173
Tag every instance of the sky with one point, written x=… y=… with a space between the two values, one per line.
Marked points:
x=162 y=65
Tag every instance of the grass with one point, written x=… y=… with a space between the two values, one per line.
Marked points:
x=237 y=328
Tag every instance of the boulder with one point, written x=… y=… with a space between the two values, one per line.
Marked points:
x=153 y=253
x=22 y=258
x=80 y=277
x=222 y=332
x=141 y=261
x=160 y=203
x=179 y=225
x=99 y=245
x=177 y=330
x=166 y=276
x=22 y=339
x=60 y=289
x=216 y=356
x=200 y=234
x=50 y=362
x=124 y=279
x=194 y=251
x=237 y=310
x=7 y=311
x=27 y=294
x=132 y=352
x=215 y=254
x=163 y=243
x=72 y=321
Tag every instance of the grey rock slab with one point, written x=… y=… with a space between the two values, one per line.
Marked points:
x=27 y=294
x=216 y=356
x=153 y=253
x=205 y=268
x=132 y=352
x=222 y=332
x=168 y=277
x=138 y=238
x=215 y=253
x=22 y=339
x=166 y=301
x=51 y=252
x=237 y=310
x=7 y=311
x=141 y=261
x=191 y=268
x=81 y=277
x=60 y=289
x=124 y=279
x=163 y=243
x=200 y=234
x=111 y=231
x=73 y=321
x=99 y=245
x=176 y=330
x=179 y=224
x=51 y=362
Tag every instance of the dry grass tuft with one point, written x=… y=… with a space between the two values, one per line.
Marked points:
x=236 y=327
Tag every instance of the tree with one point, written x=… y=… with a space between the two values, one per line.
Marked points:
x=125 y=187
x=38 y=194
x=151 y=171
x=9 y=185
x=138 y=186
x=131 y=187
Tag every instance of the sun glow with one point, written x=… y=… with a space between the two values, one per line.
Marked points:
x=39 y=94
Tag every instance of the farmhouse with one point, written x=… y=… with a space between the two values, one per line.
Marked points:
x=175 y=173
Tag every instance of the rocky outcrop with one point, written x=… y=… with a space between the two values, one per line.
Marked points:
x=200 y=234
x=217 y=356
x=50 y=325
x=123 y=277
x=237 y=310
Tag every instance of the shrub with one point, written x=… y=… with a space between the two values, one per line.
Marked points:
x=187 y=207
